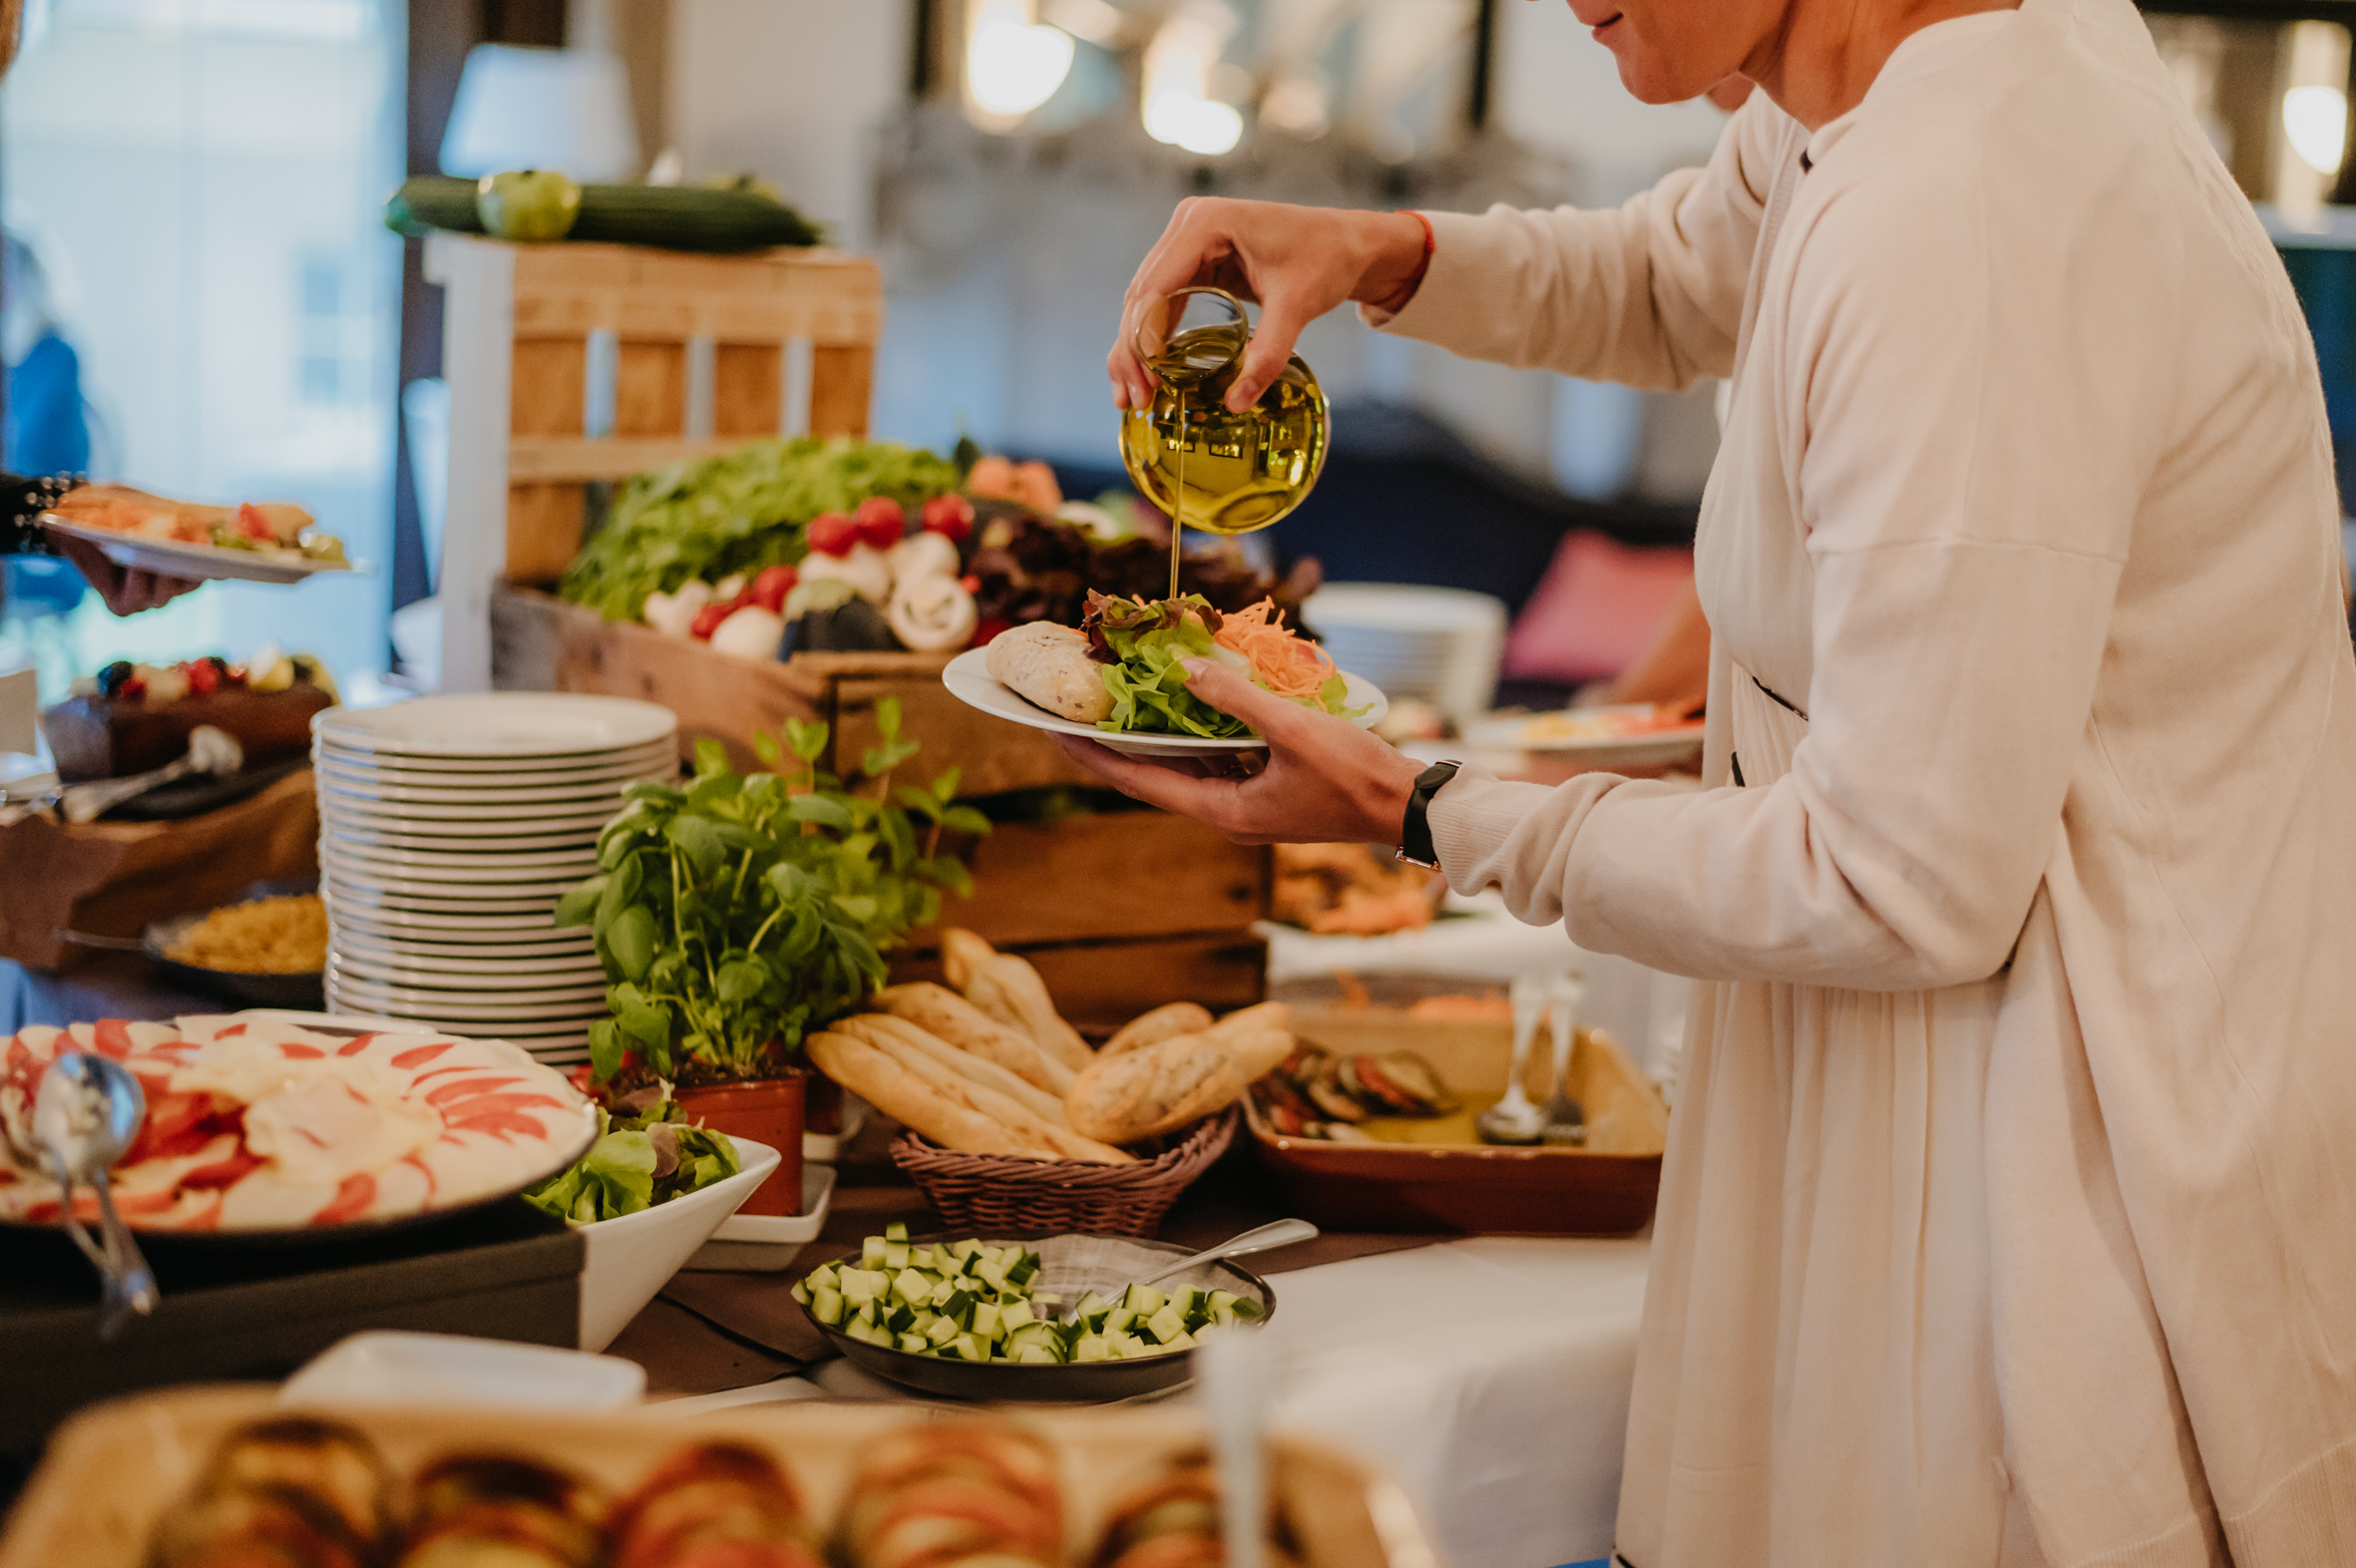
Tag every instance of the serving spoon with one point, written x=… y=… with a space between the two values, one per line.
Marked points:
x=1566 y=1119
x=1277 y=1233
x=86 y=1113
x=1515 y=1120
x=211 y=750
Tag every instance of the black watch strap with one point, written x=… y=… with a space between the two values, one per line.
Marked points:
x=1414 y=832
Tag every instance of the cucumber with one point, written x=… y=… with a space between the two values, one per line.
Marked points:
x=895 y=1232
x=670 y=218
x=827 y=1306
x=871 y=1253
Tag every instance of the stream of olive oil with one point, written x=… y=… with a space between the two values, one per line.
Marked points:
x=1178 y=496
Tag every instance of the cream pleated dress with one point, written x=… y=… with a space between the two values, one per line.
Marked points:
x=2010 y=1208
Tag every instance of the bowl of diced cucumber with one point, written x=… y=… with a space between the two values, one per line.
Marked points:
x=1057 y=1319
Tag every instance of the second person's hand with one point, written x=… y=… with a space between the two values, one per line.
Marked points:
x=1296 y=262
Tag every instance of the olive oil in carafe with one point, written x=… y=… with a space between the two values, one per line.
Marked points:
x=1210 y=469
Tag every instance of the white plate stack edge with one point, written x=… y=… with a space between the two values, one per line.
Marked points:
x=1440 y=644
x=449 y=827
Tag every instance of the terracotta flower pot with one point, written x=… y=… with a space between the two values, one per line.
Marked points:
x=766 y=1110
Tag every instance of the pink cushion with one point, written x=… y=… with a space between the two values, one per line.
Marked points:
x=1596 y=611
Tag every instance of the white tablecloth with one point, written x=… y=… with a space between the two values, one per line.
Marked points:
x=1489 y=1374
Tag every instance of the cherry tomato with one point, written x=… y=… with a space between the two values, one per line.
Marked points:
x=252 y=524
x=950 y=516
x=204 y=678
x=771 y=586
x=708 y=618
x=833 y=534
x=881 y=522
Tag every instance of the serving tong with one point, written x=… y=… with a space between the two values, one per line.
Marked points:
x=86 y=1113
x=1561 y=1121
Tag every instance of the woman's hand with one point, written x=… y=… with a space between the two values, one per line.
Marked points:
x=1296 y=262
x=126 y=591
x=1327 y=780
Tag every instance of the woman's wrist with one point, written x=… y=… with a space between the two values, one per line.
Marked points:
x=1398 y=249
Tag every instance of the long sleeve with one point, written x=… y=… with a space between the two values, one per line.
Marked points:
x=1965 y=496
x=1649 y=294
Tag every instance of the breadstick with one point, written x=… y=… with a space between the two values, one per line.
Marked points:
x=1053 y=1140
x=965 y=1063
x=1151 y=1028
x=943 y=1012
x=877 y=1077
x=1009 y=989
x=1161 y=1087
x=1267 y=1015
x=961 y=952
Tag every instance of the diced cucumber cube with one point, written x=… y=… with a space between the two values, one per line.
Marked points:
x=1247 y=1310
x=1118 y=1320
x=992 y=1274
x=1023 y=1269
x=895 y=1256
x=1089 y=1304
x=895 y=1232
x=901 y=1319
x=1036 y=1356
x=800 y=1293
x=1125 y=1345
x=940 y=1331
x=911 y=1286
x=1015 y=1313
x=923 y=1258
x=965 y=1348
x=1221 y=1299
x=1143 y=1300
x=914 y=1342
x=827 y=1306
x=985 y=1321
x=1178 y=1342
x=1046 y=1298
x=1165 y=1324
x=1091 y=1349
x=858 y=1286
x=958 y=1305
x=1196 y=1317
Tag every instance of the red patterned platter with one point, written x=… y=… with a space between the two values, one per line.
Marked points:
x=260 y=1125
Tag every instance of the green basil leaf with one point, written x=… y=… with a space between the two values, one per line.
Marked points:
x=699 y=841
x=825 y=810
x=631 y=941
x=948 y=872
x=605 y=1047
x=579 y=907
x=711 y=757
x=654 y=791
x=741 y=979
x=965 y=819
x=944 y=788
x=806 y=740
x=766 y=749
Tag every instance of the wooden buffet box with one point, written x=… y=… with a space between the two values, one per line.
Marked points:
x=1120 y=910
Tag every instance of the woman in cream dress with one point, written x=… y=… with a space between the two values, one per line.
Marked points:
x=2010 y=1208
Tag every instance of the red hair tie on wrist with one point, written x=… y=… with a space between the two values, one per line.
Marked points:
x=1406 y=291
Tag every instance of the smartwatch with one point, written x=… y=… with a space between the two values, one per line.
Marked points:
x=1414 y=832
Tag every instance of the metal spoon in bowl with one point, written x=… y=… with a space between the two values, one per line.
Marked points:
x=1515 y=1120
x=86 y=1113
x=1277 y=1233
x=211 y=750
x=1566 y=1121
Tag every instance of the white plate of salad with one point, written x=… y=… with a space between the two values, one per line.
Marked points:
x=1152 y=715
x=271 y=542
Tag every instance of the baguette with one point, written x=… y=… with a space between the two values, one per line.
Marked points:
x=962 y=951
x=1151 y=1028
x=1244 y=1020
x=1040 y=1139
x=965 y=1063
x=1009 y=990
x=943 y=1012
x=1161 y=1087
x=876 y=1076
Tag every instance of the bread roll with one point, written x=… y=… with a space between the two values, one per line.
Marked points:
x=1048 y=666
x=1009 y=990
x=1159 y=1088
x=877 y=1077
x=1151 y=1028
x=942 y=1012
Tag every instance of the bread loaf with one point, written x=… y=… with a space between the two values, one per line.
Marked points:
x=1048 y=667
x=1035 y=1135
x=1009 y=990
x=942 y=1012
x=1151 y=1028
x=867 y=1026
x=1161 y=1087
x=962 y=951
x=878 y=1078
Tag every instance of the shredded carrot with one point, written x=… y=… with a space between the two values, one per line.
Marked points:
x=1281 y=661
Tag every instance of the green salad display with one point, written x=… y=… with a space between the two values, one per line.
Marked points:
x=641 y=1159
x=738 y=512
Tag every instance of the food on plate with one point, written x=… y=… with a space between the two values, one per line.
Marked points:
x=976 y=1302
x=1181 y=1079
x=1138 y=644
x=1049 y=667
x=1351 y=889
x=714 y=1505
x=1576 y=726
x=1029 y=566
x=953 y=1494
x=646 y=1153
x=292 y=1489
x=1318 y=1094
x=1172 y=1521
x=493 y=1509
x=285 y=935
x=1164 y=1023
x=1009 y=990
x=741 y=512
x=255 y=1123
x=968 y=1028
x=273 y=527
x=130 y=717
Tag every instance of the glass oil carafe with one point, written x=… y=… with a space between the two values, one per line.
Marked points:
x=1204 y=467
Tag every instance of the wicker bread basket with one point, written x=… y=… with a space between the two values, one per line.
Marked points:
x=990 y=1193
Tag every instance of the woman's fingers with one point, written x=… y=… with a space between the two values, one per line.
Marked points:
x=1270 y=351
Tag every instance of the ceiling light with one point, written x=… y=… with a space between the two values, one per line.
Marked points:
x=1199 y=125
x=1011 y=65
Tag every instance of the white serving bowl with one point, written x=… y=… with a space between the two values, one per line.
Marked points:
x=629 y=1260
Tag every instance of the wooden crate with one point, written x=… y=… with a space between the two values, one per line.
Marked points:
x=706 y=352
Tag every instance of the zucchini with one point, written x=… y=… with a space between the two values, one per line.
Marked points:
x=670 y=218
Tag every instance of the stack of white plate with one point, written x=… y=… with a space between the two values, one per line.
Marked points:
x=1441 y=644
x=448 y=829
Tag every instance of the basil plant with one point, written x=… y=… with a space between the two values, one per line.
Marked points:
x=734 y=913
